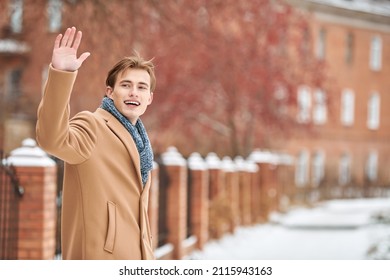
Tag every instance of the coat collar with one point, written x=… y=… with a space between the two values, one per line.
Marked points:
x=121 y=132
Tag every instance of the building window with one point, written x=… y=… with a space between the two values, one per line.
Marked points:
x=372 y=166
x=376 y=53
x=349 y=48
x=302 y=169
x=304 y=104
x=304 y=45
x=373 y=111
x=13 y=84
x=344 y=170
x=321 y=43
x=319 y=108
x=318 y=168
x=54 y=15
x=347 y=107
x=16 y=15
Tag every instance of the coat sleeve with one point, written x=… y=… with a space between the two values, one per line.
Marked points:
x=70 y=140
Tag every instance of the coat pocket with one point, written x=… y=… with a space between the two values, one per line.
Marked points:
x=111 y=227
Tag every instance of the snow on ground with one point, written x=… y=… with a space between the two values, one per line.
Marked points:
x=355 y=229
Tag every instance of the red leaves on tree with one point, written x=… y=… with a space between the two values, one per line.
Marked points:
x=227 y=71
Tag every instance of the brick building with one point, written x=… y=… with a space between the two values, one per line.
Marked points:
x=350 y=147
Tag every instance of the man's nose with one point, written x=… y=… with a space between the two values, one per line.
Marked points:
x=133 y=91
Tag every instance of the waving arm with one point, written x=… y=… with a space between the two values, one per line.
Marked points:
x=72 y=142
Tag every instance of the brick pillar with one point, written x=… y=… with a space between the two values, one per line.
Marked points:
x=273 y=191
x=268 y=191
x=199 y=199
x=253 y=173
x=267 y=163
x=232 y=192
x=216 y=175
x=218 y=204
x=286 y=181
x=177 y=200
x=153 y=204
x=244 y=189
x=37 y=174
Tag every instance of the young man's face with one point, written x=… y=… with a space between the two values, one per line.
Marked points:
x=131 y=93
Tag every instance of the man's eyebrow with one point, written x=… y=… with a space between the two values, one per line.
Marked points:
x=144 y=83
x=129 y=81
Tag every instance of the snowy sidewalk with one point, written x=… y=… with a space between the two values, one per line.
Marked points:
x=336 y=214
x=340 y=229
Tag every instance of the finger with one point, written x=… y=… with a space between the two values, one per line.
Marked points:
x=57 y=41
x=71 y=37
x=65 y=38
x=77 y=41
x=83 y=57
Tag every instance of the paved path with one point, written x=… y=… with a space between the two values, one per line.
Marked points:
x=336 y=230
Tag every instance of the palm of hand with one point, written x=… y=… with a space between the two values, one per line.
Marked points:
x=64 y=58
x=65 y=51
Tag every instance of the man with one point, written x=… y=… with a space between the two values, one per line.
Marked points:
x=107 y=155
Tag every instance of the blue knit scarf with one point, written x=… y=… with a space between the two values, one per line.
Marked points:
x=139 y=135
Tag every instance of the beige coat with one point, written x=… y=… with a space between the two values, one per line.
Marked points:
x=104 y=210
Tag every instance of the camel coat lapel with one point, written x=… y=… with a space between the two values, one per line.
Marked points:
x=121 y=132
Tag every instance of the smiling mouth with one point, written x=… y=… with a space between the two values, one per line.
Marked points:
x=134 y=103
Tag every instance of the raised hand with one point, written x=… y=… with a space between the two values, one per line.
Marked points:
x=65 y=51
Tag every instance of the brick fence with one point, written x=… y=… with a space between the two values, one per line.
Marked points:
x=192 y=201
x=37 y=208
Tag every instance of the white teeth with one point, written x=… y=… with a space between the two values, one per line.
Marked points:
x=132 y=103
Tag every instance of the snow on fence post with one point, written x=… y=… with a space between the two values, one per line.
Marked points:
x=37 y=174
x=199 y=193
x=176 y=200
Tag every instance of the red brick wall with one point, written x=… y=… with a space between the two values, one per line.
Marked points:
x=177 y=208
x=200 y=206
x=37 y=213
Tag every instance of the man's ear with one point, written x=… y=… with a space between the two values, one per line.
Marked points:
x=150 y=98
x=109 y=91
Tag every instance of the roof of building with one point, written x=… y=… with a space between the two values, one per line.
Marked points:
x=371 y=11
x=378 y=7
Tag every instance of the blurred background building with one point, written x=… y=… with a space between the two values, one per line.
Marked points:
x=351 y=147
x=338 y=130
